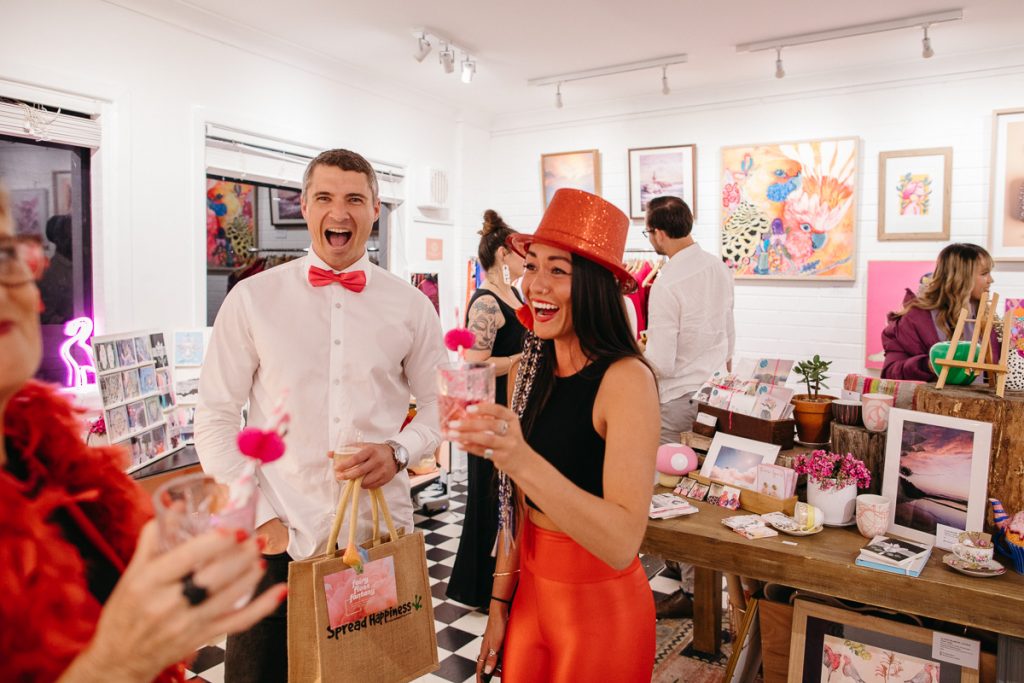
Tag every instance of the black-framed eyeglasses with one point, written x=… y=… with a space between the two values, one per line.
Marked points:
x=22 y=259
x=646 y=232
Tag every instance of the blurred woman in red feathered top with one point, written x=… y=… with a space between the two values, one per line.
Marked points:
x=86 y=593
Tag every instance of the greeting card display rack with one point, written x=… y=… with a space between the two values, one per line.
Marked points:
x=978 y=359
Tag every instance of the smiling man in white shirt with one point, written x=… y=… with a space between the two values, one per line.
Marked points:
x=349 y=343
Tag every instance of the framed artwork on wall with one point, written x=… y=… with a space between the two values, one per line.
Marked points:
x=580 y=170
x=30 y=209
x=659 y=171
x=828 y=640
x=1006 y=209
x=286 y=208
x=788 y=210
x=230 y=223
x=62 y=192
x=914 y=194
x=936 y=473
x=888 y=282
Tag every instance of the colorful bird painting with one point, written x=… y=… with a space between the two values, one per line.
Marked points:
x=832 y=661
x=850 y=671
x=929 y=674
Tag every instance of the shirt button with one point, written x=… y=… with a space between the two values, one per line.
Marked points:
x=337 y=419
x=337 y=382
x=337 y=342
x=337 y=305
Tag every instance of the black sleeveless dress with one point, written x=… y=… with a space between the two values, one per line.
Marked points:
x=472 y=575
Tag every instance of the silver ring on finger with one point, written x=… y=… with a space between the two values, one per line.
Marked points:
x=504 y=428
x=488 y=453
x=491 y=653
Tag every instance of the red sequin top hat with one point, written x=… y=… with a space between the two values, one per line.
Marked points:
x=586 y=225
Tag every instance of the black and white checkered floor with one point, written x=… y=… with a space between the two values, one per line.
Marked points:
x=459 y=628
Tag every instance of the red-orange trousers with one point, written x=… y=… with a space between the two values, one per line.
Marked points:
x=576 y=619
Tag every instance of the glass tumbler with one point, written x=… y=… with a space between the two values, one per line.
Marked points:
x=460 y=385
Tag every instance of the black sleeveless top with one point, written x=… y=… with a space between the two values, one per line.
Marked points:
x=564 y=431
x=507 y=342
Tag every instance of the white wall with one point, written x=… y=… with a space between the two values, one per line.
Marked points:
x=795 y=319
x=160 y=83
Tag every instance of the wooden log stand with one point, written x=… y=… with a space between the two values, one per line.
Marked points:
x=1006 y=462
x=866 y=446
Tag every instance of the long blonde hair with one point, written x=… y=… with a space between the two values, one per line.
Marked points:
x=949 y=289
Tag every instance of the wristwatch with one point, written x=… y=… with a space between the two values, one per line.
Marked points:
x=400 y=453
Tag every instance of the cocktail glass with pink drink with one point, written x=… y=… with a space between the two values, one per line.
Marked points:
x=460 y=385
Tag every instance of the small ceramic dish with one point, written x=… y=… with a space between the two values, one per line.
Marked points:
x=990 y=568
x=787 y=525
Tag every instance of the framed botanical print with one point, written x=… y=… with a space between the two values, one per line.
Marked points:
x=579 y=170
x=660 y=171
x=833 y=644
x=914 y=194
x=1006 y=209
x=286 y=208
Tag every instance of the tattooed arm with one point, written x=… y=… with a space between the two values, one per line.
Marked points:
x=485 y=319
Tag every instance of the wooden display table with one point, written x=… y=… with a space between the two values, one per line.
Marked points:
x=824 y=563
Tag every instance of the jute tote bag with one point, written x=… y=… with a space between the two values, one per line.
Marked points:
x=373 y=626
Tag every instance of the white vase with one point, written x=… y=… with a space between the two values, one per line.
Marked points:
x=838 y=505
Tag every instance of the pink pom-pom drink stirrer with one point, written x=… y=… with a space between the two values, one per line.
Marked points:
x=459 y=339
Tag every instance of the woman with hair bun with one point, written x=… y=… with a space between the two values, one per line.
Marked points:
x=499 y=341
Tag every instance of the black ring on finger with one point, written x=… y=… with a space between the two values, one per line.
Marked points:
x=193 y=593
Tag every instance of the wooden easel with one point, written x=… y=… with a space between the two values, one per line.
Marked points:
x=983 y=362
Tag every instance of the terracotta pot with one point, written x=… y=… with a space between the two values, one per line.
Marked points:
x=813 y=418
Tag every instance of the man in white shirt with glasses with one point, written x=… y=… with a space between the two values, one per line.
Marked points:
x=349 y=343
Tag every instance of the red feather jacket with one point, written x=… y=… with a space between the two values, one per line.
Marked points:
x=47 y=614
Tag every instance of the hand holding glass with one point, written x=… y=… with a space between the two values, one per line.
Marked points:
x=460 y=385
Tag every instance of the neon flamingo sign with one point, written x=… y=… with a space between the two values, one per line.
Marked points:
x=78 y=331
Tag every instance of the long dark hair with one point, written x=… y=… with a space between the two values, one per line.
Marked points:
x=600 y=322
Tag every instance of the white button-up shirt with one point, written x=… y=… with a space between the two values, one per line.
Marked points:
x=690 y=329
x=348 y=361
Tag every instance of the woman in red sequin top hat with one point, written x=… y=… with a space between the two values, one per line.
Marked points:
x=570 y=600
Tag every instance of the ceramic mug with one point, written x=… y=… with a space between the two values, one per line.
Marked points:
x=846 y=412
x=973 y=547
x=872 y=515
x=875 y=411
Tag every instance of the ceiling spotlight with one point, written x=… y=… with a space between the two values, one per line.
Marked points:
x=664 y=81
x=558 y=96
x=468 y=70
x=422 y=48
x=926 y=45
x=447 y=57
x=779 y=71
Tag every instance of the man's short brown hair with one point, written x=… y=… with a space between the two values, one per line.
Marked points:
x=346 y=160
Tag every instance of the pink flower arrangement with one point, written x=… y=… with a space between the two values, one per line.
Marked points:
x=832 y=470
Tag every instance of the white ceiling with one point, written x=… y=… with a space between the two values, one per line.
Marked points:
x=516 y=41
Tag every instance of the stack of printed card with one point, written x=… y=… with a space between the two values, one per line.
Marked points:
x=749 y=526
x=666 y=505
x=895 y=555
x=756 y=387
x=775 y=481
x=716 y=494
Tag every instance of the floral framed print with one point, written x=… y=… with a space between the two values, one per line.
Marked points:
x=580 y=170
x=788 y=210
x=914 y=194
x=828 y=640
x=661 y=171
x=936 y=474
x=1006 y=209
x=286 y=208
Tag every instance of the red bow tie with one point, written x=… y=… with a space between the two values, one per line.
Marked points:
x=354 y=280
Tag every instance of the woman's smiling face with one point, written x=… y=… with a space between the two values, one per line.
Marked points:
x=547 y=284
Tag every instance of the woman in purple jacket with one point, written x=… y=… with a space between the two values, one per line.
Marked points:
x=963 y=274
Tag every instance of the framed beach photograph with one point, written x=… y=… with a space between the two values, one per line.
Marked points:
x=789 y=210
x=936 y=472
x=1006 y=208
x=733 y=460
x=833 y=644
x=286 y=208
x=580 y=170
x=914 y=194
x=660 y=171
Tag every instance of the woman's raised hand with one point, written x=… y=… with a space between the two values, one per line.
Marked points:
x=493 y=432
x=149 y=622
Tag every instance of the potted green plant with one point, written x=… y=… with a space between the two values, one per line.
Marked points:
x=813 y=410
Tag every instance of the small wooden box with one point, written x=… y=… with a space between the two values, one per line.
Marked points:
x=752 y=501
x=770 y=431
